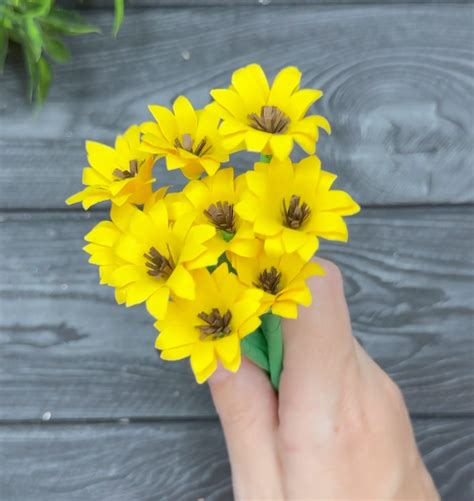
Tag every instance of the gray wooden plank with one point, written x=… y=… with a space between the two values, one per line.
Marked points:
x=130 y=4
x=185 y=461
x=398 y=82
x=68 y=349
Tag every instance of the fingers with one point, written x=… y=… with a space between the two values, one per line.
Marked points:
x=247 y=407
x=319 y=351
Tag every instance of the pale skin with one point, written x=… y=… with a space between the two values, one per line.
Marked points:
x=339 y=428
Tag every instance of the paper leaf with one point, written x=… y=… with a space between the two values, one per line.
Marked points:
x=68 y=23
x=3 y=47
x=56 y=49
x=254 y=347
x=118 y=18
x=271 y=328
x=44 y=80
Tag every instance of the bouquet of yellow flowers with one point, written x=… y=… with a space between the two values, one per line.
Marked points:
x=219 y=263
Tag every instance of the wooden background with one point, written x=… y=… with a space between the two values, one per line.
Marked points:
x=87 y=409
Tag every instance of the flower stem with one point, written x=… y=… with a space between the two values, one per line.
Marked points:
x=271 y=329
x=265 y=158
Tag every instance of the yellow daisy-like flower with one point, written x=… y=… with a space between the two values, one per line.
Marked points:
x=121 y=174
x=267 y=119
x=210 y=328
x=212 y=201
x=290 y=205
x=150 y=259
x=282 y=279
x=189 y=139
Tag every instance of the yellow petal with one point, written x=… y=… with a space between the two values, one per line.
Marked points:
x=140 y=291
x=231 y=102
x=281 y=145
x=92 y=177
x=124 y=275
x=293 y=239
x=285 y=83
x=204 y=375
x=256 y=140
x=274 y=246
x=245 y=81
x=264 y=225
x=104 y=233
x=329 y=225
x=166 y=122
x=182 y=283
x=185 y=116
x=157 y=303
x=177 y=353
x=228 y=348
x=202 y=356
x=301 y=101
x=233 y=365
x=286 y=309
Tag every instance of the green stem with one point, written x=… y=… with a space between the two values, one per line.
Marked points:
x=265 y=158
x=271 y=328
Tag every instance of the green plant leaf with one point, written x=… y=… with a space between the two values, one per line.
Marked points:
x=44 y=81
x=3 y=47
x=32 y=71
x=56 y=49
x=68 y=23
x=35 y=38
x=39 y=8
x=118 y=18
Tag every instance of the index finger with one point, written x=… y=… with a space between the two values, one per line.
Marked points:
x=319 y=350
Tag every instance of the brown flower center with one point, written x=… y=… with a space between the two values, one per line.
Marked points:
x=127 y=174
x=269 y=281
x=158 y=265
x=216 y=325
x=296 y=214
x=187 y=143
x=271 y=119
x=222 y=216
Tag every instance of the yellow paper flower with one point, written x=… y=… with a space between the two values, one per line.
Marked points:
x=210 y=328
x=121 y=174
x=267 y=119
x=282 y=279
x=290 y=205
x=189 y=139
x=150 y=259
x=212 y=201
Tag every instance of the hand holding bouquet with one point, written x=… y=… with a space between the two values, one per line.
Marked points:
x=220 y=262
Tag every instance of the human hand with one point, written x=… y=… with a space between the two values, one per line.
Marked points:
x=339 y=428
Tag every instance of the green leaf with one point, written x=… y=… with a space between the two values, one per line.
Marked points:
x=254 y=347
x=3 y=47
x=68 y=23
x=44 y=80
x=35 y=38
x=41 y=9
x=32 y=70
x=118 y=18
x=271 y=328
x=56 y=49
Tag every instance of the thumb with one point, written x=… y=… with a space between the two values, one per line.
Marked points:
x=247 y=408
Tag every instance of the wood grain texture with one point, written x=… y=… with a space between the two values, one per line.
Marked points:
x=130 y=4
x=398 y=83
x=66 y=348
x=185 y=461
